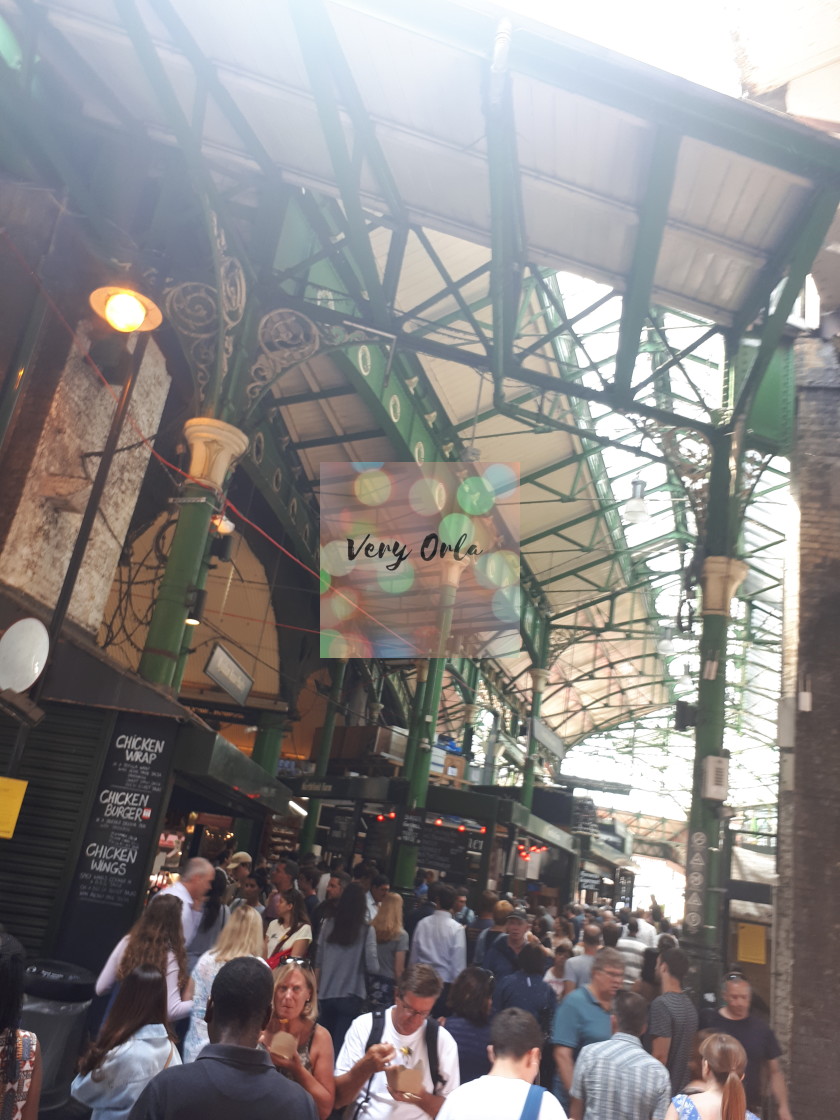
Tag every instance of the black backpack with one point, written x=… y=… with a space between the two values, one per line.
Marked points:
x=377 y=1029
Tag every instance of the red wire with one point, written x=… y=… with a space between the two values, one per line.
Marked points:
x=142 y=438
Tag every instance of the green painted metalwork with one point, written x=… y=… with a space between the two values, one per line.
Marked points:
x=307 y=836
x=820 y=216
x=185 y=568
x=268 y=743
x=653 y=215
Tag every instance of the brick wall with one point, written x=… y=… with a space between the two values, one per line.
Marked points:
x=806 y=974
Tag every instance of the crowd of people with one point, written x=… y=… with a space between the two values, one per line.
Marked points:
x=230 y=978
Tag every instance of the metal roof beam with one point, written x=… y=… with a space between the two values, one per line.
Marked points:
x=317 y=40
x=820 y=217
x=545 y=382
x=507 y=221
x=653 y=217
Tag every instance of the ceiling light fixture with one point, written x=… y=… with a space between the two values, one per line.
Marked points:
x=685 y=683
x=125 y=309
x=666 y=642
x=636 y=510
x=195 y=606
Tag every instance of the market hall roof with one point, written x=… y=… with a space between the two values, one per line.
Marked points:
x=469 y=158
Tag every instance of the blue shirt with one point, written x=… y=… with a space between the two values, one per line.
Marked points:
x=531 y=993
x=579 y=1020
x=112 y=1089
x=472 y=1047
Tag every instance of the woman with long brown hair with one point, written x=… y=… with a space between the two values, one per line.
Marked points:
x=346 y=952
x=310 y=1059
x=133 y=1046
x=155 y=939
x=722 y=1064
x=290 y=934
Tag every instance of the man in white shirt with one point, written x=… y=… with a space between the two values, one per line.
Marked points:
x=360 y=1078
x=515 y=1050
x=379 y=887
x=647 y=933
x=191 y=888
x=441 y=942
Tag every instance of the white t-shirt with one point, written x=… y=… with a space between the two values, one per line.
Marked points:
x=382 y=1105
x=276 y=939
x=496 y=1098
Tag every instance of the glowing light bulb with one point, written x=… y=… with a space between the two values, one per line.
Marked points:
x=125 y=312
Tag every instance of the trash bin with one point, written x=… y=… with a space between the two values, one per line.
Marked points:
x=57 y=997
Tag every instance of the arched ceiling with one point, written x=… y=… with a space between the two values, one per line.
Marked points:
x=552 y=254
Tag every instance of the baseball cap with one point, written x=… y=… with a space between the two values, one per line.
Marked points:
x=518 y=914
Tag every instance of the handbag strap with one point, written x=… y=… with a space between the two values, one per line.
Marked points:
x=171 y=1053
x=533 y=1103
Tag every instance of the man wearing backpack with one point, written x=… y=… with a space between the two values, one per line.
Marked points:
x=403 y=1035
x=507 y=1092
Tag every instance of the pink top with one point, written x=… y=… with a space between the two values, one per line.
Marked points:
x=177 y=1008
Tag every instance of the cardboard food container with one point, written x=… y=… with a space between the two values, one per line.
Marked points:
x=403 y=1080
x=283 y=1045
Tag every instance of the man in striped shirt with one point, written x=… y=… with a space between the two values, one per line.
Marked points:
x=617 y=1080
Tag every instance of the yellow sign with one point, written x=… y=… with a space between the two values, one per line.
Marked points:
x=11 y=799
x=752 y=948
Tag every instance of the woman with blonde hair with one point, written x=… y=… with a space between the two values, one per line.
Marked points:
x=156 y=939
x=391 y=949
x=241 y=937
x=309 y=1059
x=721 y=1097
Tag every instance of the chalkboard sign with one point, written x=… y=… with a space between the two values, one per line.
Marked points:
x=111 y=875
x=378 y=840
x=624 y=888
x=442 y=849
x=412 y=826
x=589 y=881
x=342 y=837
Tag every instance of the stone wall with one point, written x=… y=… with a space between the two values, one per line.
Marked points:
x=42 y=531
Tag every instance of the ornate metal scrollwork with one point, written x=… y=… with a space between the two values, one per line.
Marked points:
x=194 y=309
x=689 y=455
x=285 y=338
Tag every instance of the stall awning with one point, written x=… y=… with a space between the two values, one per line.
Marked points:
x=206 y=757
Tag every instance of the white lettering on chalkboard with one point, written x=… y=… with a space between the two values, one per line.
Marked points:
x=140 y=748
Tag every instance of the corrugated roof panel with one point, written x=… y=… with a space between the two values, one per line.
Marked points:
x=734 y=197
x=610 y=148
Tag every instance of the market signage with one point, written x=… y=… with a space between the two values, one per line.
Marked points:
x=111 y=875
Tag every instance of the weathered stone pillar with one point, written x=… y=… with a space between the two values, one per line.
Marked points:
x=806 y=976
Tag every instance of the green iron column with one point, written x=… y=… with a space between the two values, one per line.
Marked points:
x=214 y=446
x=266 y=753
x=721 y=577
x=470 y=708
x=268 y=744
x=419 y=784
x=339 y=666
x=425 y=715
x=539 y=676
x=415 y=730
